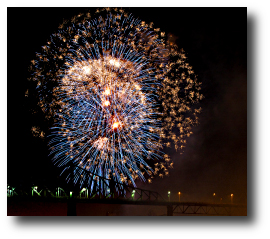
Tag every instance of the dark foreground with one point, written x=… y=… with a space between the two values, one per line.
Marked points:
x=36 y=207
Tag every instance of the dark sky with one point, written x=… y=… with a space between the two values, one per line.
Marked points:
x=215 y=158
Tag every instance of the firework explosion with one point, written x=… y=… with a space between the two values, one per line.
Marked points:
x=118 y=93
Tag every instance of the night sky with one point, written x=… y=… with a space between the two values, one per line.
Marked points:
x=215 y=41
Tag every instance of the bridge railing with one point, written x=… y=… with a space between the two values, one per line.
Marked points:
x=126 y=192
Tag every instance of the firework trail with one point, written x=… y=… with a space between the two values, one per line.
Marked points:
x=118 y=93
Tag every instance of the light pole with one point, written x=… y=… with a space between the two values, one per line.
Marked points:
x=214 y=197
x=169 y=195
x=231 y=198
x=133 y=194
x=179 y=193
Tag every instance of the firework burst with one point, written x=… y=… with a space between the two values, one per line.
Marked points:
x=118 y=93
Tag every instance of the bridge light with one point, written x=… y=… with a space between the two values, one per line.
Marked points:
x=133 y=194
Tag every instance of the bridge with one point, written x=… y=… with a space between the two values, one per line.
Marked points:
x=108 y=191
x=132 y=196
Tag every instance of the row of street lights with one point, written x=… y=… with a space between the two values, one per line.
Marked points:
x=179 y=194
x=169 y=195
x=221 y=198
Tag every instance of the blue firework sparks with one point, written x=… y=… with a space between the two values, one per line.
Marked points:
x=118 y=93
